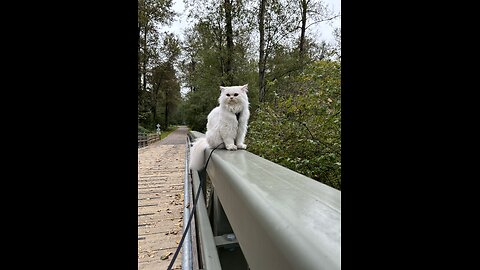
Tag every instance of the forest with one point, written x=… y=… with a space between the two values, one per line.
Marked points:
x=294 y=76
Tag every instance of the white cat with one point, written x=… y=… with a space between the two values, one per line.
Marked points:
x=226 y=125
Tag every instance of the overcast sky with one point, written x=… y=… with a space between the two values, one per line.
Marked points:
x=323 y=30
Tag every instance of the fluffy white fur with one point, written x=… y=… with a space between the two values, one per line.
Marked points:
x=222 y=125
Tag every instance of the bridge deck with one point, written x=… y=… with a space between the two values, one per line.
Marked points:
x=161 y=167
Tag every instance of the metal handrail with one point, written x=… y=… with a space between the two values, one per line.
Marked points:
x=282 y=219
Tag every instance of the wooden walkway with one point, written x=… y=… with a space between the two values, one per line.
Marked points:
x=161 y=168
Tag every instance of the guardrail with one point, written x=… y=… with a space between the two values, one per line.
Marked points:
x=147 y=139
x=264 y=216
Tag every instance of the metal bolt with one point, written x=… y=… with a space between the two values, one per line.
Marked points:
x=230 y=237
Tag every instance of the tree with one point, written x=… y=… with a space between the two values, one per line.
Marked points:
x=315 y=12
x=217 y=51
x=158 y=85
x=229 y=36
x=166 y=93
x=151 y=13
x=262 y=58
x=276 y=27
x=165 y=87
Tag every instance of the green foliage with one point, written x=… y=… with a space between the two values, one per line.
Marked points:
x=158 y=85
x=165 y=93
x=145 y=119
x=300 y=129
x=143 y=130
x=165 y=133
x=204 y=70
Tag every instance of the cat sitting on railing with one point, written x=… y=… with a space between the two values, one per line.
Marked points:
x=226 y=125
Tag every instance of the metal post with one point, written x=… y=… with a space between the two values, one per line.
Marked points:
x=207 y=247
x=187 y=244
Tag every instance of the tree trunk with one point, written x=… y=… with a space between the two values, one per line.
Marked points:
x=229 y=32
x=261 y=59
x=304 y=5
x=166 y=108
x=154 y=102
x=139 y=72
x=192 y=71
x=145 y=58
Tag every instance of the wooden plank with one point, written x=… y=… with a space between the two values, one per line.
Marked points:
x=160 y=204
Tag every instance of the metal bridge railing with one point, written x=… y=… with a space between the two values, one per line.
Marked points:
x=264 y=216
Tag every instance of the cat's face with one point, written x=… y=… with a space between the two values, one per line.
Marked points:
x=232 y=95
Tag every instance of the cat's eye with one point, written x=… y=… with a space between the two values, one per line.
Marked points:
x=236 y=94
x=228 y=95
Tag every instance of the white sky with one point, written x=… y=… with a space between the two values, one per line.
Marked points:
x=323 y=30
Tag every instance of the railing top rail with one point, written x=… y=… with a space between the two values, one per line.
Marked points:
x=282 y=219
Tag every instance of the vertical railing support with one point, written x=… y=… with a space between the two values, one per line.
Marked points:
x=187 y=244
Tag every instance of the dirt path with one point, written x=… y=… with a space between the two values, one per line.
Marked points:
x=161 y=168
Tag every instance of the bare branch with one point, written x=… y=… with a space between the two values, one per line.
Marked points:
x=324 y=20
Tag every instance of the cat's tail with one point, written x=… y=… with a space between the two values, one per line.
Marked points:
x=197 y=156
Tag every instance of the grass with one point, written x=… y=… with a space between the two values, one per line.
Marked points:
x=166 y=133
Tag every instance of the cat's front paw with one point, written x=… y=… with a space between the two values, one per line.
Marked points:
x=231 y=147
x=241 y=146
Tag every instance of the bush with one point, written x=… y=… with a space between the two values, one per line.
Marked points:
x=301 y=129
x=143 y=130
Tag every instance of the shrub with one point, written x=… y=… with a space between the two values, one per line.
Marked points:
x=301 y=128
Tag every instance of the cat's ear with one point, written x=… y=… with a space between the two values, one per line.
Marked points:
x=222 y=88
x=245 y=88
